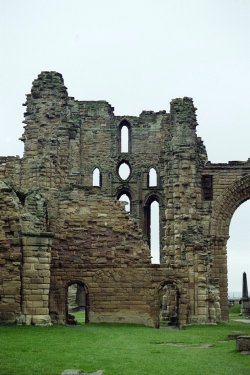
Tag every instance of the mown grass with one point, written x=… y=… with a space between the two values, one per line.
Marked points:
x=79 y=316
x=121 y=350
x=234 y=310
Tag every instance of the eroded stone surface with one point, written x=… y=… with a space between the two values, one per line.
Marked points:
x=243 y=344
x=57 y=229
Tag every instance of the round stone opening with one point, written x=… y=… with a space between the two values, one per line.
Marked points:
x=124 y=171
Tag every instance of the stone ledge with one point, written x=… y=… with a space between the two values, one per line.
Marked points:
x=235 y=334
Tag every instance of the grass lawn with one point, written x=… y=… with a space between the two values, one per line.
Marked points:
x=121 y=350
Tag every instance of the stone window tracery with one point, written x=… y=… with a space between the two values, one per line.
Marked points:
x=124 y=170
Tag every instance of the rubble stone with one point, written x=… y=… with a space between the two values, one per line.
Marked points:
x=243 y=344
x=58 y=227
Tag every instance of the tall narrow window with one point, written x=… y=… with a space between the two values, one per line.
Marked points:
x=125 y=198
x=124 y=138
x=96 y=177
x=155 y=232
x=152 y=177
x=152 y=228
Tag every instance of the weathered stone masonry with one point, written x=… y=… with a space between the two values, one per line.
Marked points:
x=56 y=228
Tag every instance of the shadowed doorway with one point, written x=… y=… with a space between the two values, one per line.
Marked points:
x=77 y=303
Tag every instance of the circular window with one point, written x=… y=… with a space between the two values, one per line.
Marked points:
x=124 y=171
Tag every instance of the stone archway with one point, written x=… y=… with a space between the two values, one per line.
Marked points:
x=168 y=295
x=225 y=206
x=77 y=303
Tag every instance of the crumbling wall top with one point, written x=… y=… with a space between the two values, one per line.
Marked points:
x=48 y=84
x=182 y=111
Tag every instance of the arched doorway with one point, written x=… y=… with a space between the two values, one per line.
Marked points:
x=77 y=303
x=224 y=208
x=169 y=297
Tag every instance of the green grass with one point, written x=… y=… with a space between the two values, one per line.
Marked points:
x=79 y=316
x=121 y=350
x=235 y=309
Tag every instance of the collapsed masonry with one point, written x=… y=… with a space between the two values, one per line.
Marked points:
x=57 y=229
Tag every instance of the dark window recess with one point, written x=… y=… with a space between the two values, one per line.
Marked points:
x=207 y=187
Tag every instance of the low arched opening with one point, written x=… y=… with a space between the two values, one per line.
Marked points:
x=77 y=303
x=168 y=302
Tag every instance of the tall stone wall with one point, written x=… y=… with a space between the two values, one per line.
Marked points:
x=10 y=256
x=119 y=294
x=58 y=229
x=94 y=230
x=65 y=140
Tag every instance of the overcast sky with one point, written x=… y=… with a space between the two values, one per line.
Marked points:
x=138 y=55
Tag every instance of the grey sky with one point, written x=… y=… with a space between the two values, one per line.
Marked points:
x=138 y=55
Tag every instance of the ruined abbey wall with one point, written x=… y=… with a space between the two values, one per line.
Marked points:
x=57 y=228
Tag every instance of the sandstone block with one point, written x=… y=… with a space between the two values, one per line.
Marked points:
x=41 y=311
x=7 y=317
x=42 y=320
x=243 y=344
x=235 y=334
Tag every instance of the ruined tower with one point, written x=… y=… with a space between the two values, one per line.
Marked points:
x=63 y=223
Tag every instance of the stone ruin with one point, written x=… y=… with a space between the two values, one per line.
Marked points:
x=62 y=222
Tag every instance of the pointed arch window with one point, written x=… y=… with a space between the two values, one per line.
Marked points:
x=97 y=177
x=152 y=177
x=152 y=228
x=124 y=137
